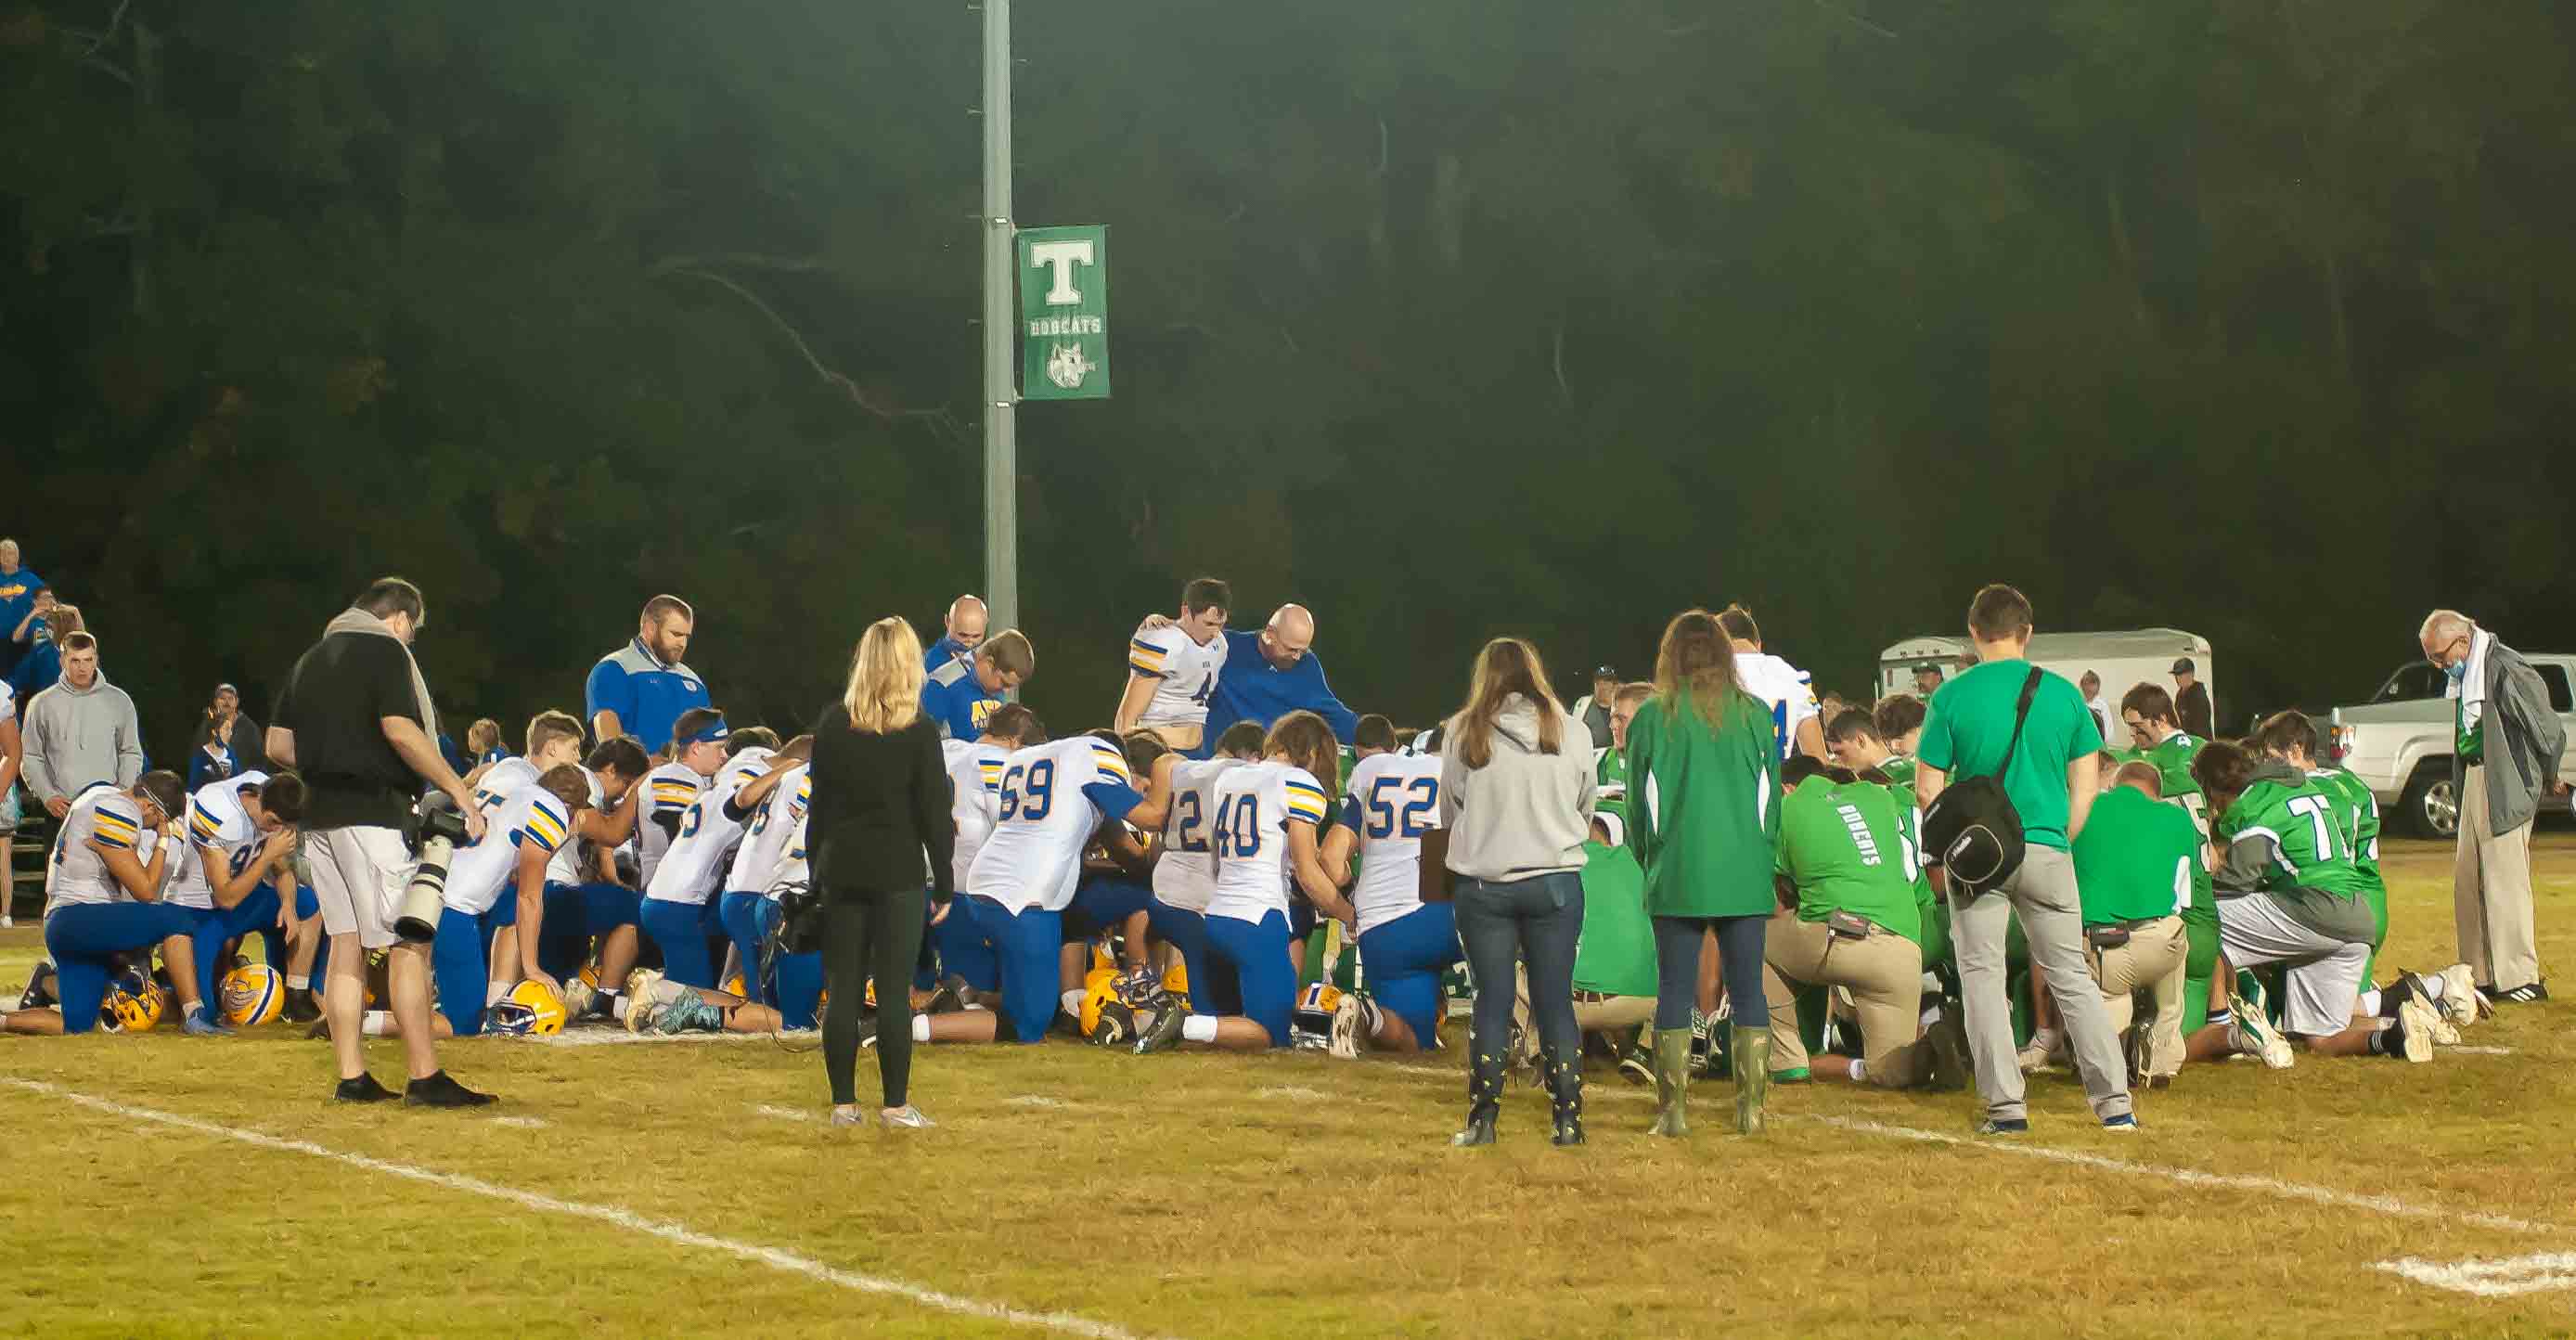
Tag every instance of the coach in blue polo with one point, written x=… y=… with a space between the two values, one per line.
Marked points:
x=641 y=688
x=1270 y=674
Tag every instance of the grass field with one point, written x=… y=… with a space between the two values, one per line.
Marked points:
x=162 y=1185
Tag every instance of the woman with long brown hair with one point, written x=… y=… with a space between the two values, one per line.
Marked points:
x=1516 y=805
x=880 y=809
x=1704 y=777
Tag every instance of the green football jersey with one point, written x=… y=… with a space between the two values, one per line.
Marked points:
x=2138 y=859
x=1900 y=770
x=2360 y=816
x=1846 y=850
x=1612 y=770
x=2284 y=837
x=2172 y=756
x=1909 y=823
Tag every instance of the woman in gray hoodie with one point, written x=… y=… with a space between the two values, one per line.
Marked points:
x=1515 y=805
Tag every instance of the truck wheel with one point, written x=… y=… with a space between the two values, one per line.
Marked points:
x=2432 y=804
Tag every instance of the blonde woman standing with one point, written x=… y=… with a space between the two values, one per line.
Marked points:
x=880 y=811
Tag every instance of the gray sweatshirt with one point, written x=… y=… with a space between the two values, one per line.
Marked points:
x=75 y=737
x=1524 y=813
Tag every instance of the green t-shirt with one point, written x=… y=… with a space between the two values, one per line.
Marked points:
x=2470 y=742
x=1846 y=850
x=2172 y=756
x=1972 y=720
x=1706 y=818
x=1616 y=954
x=2285 y=837
x=1612 y=771
x=1900 y=770
x=2138 y=859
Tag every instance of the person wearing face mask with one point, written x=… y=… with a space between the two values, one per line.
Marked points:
x=2505 y=758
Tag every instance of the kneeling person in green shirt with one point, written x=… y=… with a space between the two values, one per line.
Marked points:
x=1848 y=918
x=2137 y=868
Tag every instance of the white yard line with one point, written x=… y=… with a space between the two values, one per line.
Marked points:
x=2268 y=1186
x=783 y=1113
x=612 y=1215
x=2505 y=1278
x=615 y=1037
x=1301 y=1095
x=523 y=1123
x=2475 y=1051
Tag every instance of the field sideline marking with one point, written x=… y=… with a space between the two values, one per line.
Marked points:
x=2506 y=1278
x=614 y=1216
x=2270 y=1186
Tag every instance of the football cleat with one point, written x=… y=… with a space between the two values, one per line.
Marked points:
x=2461 y=1004
x=2415 y=1022
x=2252 y=1034
x=1114 y=1024
x=580 y=1000
x=1638 y=1065
x=1344 y=1040
x=40 y=987
x=692 y=1014
x=2412 y=988
x=1162 y=1035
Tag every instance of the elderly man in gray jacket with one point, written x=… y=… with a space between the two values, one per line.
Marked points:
x=2505 y=759
x=82 y=730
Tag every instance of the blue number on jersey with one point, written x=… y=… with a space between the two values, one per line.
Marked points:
x=1192 y=823
x=1207 y=687
x=1780 y=727
x=689 y=822
x=1238 y=827
x=1385 y=820
x=1028 y=791
x=242 y=856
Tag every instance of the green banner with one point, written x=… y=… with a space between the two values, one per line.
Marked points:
x=1064 y=313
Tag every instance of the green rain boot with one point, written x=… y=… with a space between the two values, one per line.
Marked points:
x=1752 y=1051
x=1672 y=1083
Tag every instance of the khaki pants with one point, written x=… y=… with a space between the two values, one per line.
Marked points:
x=2491 y=893
x=1884 y=974
x=1593 y=1013
x=2151 y=961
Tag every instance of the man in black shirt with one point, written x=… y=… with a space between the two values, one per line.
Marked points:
x=356 y=721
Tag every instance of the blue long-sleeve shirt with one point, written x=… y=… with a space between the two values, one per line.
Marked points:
x=1250 y=688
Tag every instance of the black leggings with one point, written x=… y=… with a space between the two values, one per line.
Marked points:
x=1739 y=957
x=869 y=933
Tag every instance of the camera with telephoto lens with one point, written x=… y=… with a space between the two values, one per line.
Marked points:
x=442 y=831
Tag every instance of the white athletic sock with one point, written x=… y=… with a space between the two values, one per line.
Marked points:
x=2433 y=985
x=1857 y=1073
x=1931 y=1015
x=372 y=1024
x=494 y=993
x=617 y=1008
x=2368 y=1001
x=299 y=983
x=2044 y=1039
x=1072 y=1002
x=921 y=1028
x=1199 y=1028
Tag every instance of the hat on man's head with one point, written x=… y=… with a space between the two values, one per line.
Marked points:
x=1605 y=672
x=2184 y=667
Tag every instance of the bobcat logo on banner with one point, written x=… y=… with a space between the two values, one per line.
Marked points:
x=1064 y=313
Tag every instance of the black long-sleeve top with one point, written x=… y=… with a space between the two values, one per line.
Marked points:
x=880 y=805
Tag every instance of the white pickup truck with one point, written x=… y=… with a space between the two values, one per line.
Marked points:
x=2400 y=743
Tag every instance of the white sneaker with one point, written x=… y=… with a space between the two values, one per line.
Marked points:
x=2441 y=1030
x=2418 y=1021
x=1345 y=1038
x=2253 y=1035
x=2043 y=1051
x=640 y=1003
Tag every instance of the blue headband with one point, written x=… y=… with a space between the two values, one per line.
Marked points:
x=715 y=730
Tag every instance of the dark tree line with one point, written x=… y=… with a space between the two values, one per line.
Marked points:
x=1446 y=318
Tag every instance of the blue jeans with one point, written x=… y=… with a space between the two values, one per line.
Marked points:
x=1404 y=959
x=1503 y=922
x=1739 y=956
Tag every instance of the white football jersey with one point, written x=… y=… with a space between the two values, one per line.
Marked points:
x=1394 y=800
x=792 y=866
x=1185 y=874
x=1053 y=797
x=1784 y=688
x=501 y=781
x=690 y=869
x=1187 y=673
x=566 y=867
x=478 y=875
x=975 y=792
x=1255 y=804
x=764 y=843
x=669 y=790
x=76 y=873
x=217 y=823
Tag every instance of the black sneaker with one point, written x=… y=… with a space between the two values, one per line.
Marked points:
x=363 y=1089
x=301 y=1008
x=2530 y=993
x=440 y=1091
x=40 y=988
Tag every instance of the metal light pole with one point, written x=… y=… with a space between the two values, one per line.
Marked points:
x=1001 y=445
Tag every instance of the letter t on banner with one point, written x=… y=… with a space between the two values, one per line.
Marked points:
x=1064 y=313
